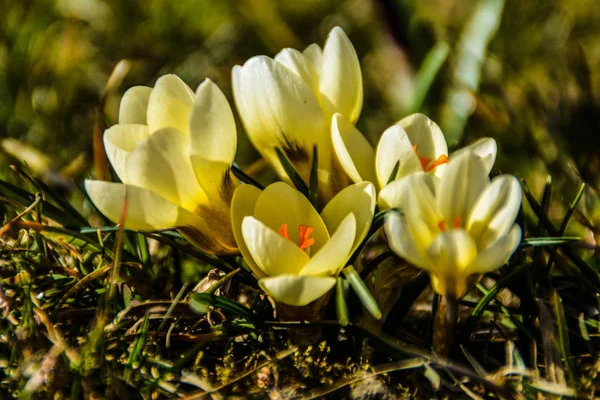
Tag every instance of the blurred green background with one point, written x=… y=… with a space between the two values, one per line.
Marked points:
x=524 y=72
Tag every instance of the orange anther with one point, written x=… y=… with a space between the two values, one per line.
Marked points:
x=283 y=231
x=425 y=161
x=443 y=226
x=457 y=222
x=305 y=240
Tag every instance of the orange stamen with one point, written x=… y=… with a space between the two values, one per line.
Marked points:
x=305 y=240
x=443 y=226
x=457 y=222
x=425 y=162
x=443 y=159
x=283 y=231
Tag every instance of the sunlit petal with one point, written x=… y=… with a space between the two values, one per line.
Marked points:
x=497 y=254
x=486 y=148
x=358 y=199
x=302 y=66
x=395 y=146
x=281 y=204
x=134 y=105
x=161 y=163
x=119 y=141
x=273 y=253
x=170 y=104
x=341 y=78
x=401 y=242
x=242 y=205
x=330 y=259
x=296 y=290
x=427 y=136
x=353 y=150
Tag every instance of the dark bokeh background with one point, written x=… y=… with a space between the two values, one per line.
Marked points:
x=524 y=72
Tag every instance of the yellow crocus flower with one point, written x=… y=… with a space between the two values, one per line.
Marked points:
x=288 y=102
x=416 y=143
x=457 y=225
x=172 y=150
x=296 y=252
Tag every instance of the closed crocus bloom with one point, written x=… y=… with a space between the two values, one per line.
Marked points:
x=296 y=252
x=415 y=144
x=460 y=225
x=288 y=101
x=172 y=150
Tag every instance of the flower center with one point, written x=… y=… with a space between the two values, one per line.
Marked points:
x=456 y=223
x=426 y=163
x=305 y=240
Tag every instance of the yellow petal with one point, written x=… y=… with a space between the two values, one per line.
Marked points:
x=314 y=53
x=332 y=257
x=353 y=150
x=450 y=253
x=402 y=243
x=170 y=104
x=212 y=126
x=358 y=199
x=161 y=164
x=296 y=290
x=281 y=204
x=464 y=179
x=395 y=146
x=296 y=62
x=495 y=211
x=427 y=136
x=242 y=205
x=274 y=254
x=134 y=105
x=119 y=141
x=341 y=78
x=486 y=148
x=497 y=254
x=145 y=210
x=279 y=109
x=421 y=211
x=394 y=194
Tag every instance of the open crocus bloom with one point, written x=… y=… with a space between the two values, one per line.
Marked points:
x=415 y=144
x=288 y=102
x=458 y=225
x=295 y=252
x=172 y=150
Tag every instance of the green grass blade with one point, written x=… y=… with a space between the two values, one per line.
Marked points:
x=291 y=172
x=362 y=292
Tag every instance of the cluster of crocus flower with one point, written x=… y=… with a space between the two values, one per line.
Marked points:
x=173 y=150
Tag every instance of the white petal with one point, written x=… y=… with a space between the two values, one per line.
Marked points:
x=402 y=243
x=495 y=211
x=242 y=205
x=134 y=105
x=119 y=141
x=450 y=253
x=464 y=179
x=486 y=148
x=296 y=290
x=394 y=194
x=497 y=254
x=212 y=126
x=145 y=210
x=394 y=146
x=281 y=204
x=314 y=53
x=161 y=164
x=341 y=78
x=279 y=109
x=274 y=254
x=332 y=257
x=170 y=104
x=353 y=150
x=358 y=199
x=427 y=136
x=301 y=66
